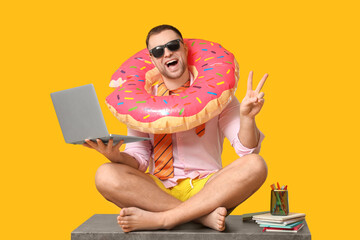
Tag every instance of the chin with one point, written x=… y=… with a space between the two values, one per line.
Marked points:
x=173 y=75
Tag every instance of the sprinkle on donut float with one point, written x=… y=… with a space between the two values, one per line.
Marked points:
x=215 y=72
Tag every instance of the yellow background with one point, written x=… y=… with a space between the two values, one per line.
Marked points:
x=309 y=48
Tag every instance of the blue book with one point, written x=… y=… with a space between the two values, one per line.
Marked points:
x=277 y=226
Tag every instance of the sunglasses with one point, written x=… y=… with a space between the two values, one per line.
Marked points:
x=173 y=46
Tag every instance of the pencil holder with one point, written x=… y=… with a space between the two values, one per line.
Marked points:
x=279 y=204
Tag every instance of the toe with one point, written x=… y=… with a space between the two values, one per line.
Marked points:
x=124 y=225
x=125 y=219
x=221 y=226
x=126 y=229
x=222 y=211
x=130 y=211
x=127 y=211
x=122 y=212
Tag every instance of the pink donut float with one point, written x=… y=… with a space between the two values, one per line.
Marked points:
x=216 y=74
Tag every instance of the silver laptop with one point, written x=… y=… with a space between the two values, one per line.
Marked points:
x=80 y=117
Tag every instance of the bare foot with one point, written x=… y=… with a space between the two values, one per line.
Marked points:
x=131 y=219
x=215 y=219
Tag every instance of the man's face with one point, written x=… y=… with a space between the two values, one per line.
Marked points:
x=171 y=65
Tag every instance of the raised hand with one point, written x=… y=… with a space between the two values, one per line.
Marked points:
x=254 y=100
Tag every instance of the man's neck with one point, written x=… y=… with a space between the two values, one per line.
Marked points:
x=172 y=84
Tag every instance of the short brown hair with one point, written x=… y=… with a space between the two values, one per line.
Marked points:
x=159 y=29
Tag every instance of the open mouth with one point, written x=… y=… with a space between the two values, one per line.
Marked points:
x=171 y=63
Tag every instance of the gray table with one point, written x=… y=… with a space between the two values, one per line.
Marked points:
x=104 y=226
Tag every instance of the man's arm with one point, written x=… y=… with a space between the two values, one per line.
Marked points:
x=112 y=152
x=250 y=106
x=249 y=134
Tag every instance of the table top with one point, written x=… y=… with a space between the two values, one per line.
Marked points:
x=104 y=226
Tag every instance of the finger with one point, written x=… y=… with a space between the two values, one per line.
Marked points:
x=100 y=143
x=110 y=144
x=249 y=83
x=87 y=145
x=91 y=143
x=118 y=145
x=260 y=95
x=253 y=100
x=261 y=101
x=261 y=83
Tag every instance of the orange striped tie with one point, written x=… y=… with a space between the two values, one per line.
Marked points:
x=163 y=156
x=200 y=130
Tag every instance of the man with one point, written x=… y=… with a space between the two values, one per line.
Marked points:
x=198 y=189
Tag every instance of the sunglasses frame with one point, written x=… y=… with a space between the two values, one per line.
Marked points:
x=165 y=46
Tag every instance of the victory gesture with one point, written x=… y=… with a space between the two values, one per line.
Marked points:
x=254 y=100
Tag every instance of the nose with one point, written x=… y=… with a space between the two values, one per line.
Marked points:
x=167 y=52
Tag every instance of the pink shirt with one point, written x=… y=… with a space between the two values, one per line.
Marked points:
x=195 y=156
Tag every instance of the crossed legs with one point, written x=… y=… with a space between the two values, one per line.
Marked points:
x=128 y=187
x=145 y=206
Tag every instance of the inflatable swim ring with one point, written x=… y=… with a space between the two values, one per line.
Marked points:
x=216 y=74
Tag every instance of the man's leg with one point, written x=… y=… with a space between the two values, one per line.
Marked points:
x=129 y=187
x=228 y=188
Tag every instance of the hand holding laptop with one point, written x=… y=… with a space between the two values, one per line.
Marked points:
x=110 y=151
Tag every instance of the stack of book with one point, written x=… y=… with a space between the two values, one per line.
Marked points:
x=292 y=222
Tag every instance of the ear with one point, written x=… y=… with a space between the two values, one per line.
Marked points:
x=186 y=48
x=151 y=57
x=153 y=60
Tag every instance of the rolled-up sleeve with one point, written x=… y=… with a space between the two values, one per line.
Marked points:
x=241 y=150
x=141 y=150
x=229 y=121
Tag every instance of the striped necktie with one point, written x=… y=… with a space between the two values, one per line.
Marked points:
x=163 y=150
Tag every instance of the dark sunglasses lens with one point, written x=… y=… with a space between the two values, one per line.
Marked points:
x=173 y=46
x=158 y=52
